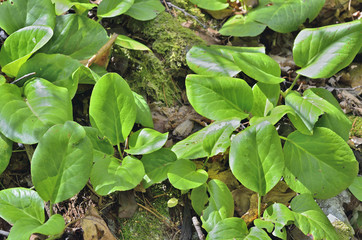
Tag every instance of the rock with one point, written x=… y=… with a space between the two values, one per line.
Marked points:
x=184 y=129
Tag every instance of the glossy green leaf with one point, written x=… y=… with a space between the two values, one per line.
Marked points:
x=144 y=116
x=261 y=104
x=192 y=146
x=129 y=43
x=24 y=228
x=2 y=79
x=101 y=145
x=61 y=6
x=55 y=68
x=146 y=141
x=217 y=136
x=242 y=26
x=84 y=75
x=76 y=36
x=109 y=175
x=279 y=216
x=112 y=8
x=20 y=45
x=274 y=116
x=217 y=60
x=256 y=157
x=257 y=234
x=17 y=14
x=229 y=229
x=356 y=188
x=184 y=176
x=211 y=5
x=199 y=198
x=172 y=202
x=271 y=91
x=322 y=164
x=112 y=108
x=27 y=113
x=285 y=16
x=322 y=52
x=306 y=110
x=6 y=147
x=218 y=98
x=156 y=165
x=259 y=66
x=63 y=175
x=333 y=118
x=145 y=10
x=221 y=205
x=310 y=219
x=21 y=203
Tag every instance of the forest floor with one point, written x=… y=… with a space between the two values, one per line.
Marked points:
x=150 y=214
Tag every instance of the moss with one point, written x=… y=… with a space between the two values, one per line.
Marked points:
x=357 y=126
x=170 y=41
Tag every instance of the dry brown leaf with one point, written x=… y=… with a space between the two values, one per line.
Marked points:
x=101 y=58
x=94 y=227
x=281 y=193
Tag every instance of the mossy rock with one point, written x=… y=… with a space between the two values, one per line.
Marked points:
x=357 y=126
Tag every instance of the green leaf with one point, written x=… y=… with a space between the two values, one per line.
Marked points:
x=55 y=68
x=84 y=75
x=199 y=198
x=66 y=172
x=257 y=234
x=129 y=43
x=310 y=219
x=172 y=202
x=217 y=136
x=109 y=175
x=101 y=145
x=221 y=205
x=356 y=188
x=146 y=141
x=256 y=157
x=157 y=165
x=6 y=147
x=112 y=108
x=322 y=52
x=217 y=60
x=192 y=146
x=322 y=164
x=261 y=104
x=17 y=14
x=76 y=36
x=20 y=45
x=271 y=91
x=278 y=215
x=229 y=229
x=274 y=116
x=21 y=203
x=242 y=26
x=334 y=118
x=229 y=97
x=211 y=5
x=145 y=10
x=27 y=113
x=24 y=228
x=112 y=8
x=2 y=79
x=61 y=6
x=184 y=176
x=259 y=66
x=285 y=16
x=144 y=116
x=306 y=110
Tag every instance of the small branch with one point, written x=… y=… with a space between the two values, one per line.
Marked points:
x=4 y=233
x=259 y=205
x=186 y=13
x=21 y=78
x=198 y=229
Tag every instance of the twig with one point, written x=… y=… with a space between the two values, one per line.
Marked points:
x=186 y=13
x=21 y=78
x=4 y=233
x=159 y=216
x=198 y=229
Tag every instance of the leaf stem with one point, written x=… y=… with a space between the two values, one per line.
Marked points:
x=284 y=138
x=120 y=151
x=259 y=205
x=51 y=213
x=206 y=160
x=291 y=86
